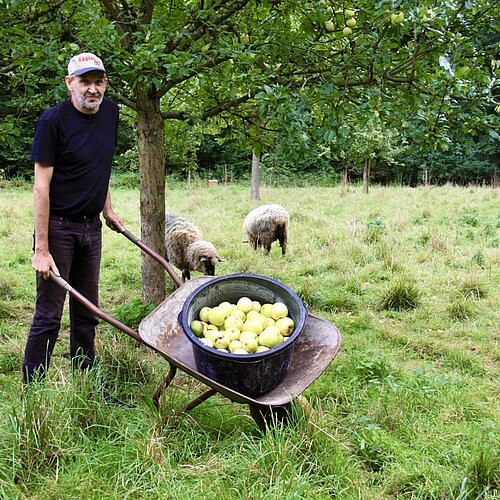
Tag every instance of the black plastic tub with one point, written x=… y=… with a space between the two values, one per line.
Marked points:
x=249 y=374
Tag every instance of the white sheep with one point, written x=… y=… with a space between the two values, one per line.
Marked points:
x=186 y=250
x=266 y=224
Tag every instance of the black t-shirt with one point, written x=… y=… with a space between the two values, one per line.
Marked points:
x=80 y=147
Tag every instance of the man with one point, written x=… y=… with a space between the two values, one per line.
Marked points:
x=72 y=152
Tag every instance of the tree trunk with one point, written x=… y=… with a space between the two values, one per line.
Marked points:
x=426 y=177
x=255 y=181
x=345 y=175
x=366 y=175
x=152 y=197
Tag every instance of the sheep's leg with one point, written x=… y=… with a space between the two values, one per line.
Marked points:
x=186 y=275
x=283 y=244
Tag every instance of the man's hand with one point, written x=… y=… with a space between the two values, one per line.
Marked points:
x=113 y=221
x=42 y=263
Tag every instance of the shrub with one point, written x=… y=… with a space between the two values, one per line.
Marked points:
x=375 y=228
x=133 y=312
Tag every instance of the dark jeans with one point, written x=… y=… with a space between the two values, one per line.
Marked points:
x=76 y=247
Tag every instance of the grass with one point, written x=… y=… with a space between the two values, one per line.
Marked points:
x=408 y=409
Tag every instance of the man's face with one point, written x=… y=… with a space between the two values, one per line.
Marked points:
x=87 y=90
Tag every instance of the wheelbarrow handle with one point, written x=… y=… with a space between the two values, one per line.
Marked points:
x=136 y=241
x=93 y=308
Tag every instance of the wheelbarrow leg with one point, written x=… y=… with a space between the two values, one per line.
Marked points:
x=163 y=385
x=265 y=416
x=197 y=401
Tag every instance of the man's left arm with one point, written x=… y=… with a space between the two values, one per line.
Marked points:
x=113 y=221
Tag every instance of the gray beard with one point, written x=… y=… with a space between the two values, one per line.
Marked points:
x=88 y=105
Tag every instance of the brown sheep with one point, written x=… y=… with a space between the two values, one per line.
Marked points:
x=186 y=250
x=266 y=224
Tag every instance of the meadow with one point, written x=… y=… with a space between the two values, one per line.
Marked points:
x=409 y=408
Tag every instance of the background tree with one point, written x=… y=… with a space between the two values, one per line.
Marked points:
x=198 y=61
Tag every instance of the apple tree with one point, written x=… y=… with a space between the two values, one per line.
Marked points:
x=195 y=61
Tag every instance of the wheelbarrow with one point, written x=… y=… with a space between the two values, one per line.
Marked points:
x=315 y=349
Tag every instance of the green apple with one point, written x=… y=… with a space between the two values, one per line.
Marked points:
x=204 y=313
x=285 y=326
x=279 y=310
x=329 y=26
x=244 y=39
x=245 y=304
x=240 y=351
x=347 y=31
x=233 y=321
x=233 y=333
x=212 y=327
x=247 y=335
x=223 y=350
x=227 y=307
x=256 y=305
x=250 y=344
x=397 y=18
x=349 y=13
x=351 y=22
x=252 y=325
x=266 y=310
x=207 y=342
x=217 y=316
x=270 y=337
x=259 y=317
x=197 y=327
x=213 y=335
x=238 y=313
x=262 y=348
x=234 y=345
x=222 y=342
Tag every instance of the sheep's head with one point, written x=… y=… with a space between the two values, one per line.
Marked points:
x=202 y=257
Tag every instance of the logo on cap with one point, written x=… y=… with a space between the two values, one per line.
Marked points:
x=83 y=63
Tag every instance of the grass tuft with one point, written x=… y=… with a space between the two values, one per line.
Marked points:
x=460 y=309
x=472 y=288
x=401 y=295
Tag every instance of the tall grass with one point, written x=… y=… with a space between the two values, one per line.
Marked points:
x=409 y=408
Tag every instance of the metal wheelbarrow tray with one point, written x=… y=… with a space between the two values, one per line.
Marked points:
x=315 y=349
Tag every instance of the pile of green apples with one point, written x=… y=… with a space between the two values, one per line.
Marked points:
x=246 y=327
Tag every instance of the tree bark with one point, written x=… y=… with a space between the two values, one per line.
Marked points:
x=345 y=175
x=152 y=196
x=255 y=181
x=366 y=175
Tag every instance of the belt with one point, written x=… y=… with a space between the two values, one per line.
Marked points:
x=82 y=219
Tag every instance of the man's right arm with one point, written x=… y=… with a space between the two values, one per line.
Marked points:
x=42 y=259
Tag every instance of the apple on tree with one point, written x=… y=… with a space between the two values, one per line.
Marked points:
x=397 y=18
x=329 y=26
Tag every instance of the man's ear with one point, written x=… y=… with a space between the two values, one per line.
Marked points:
x=68 y=80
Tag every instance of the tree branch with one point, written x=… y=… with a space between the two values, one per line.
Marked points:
x=219 y=108
x=227 y=10
x=209 y=63
x=123 y=100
